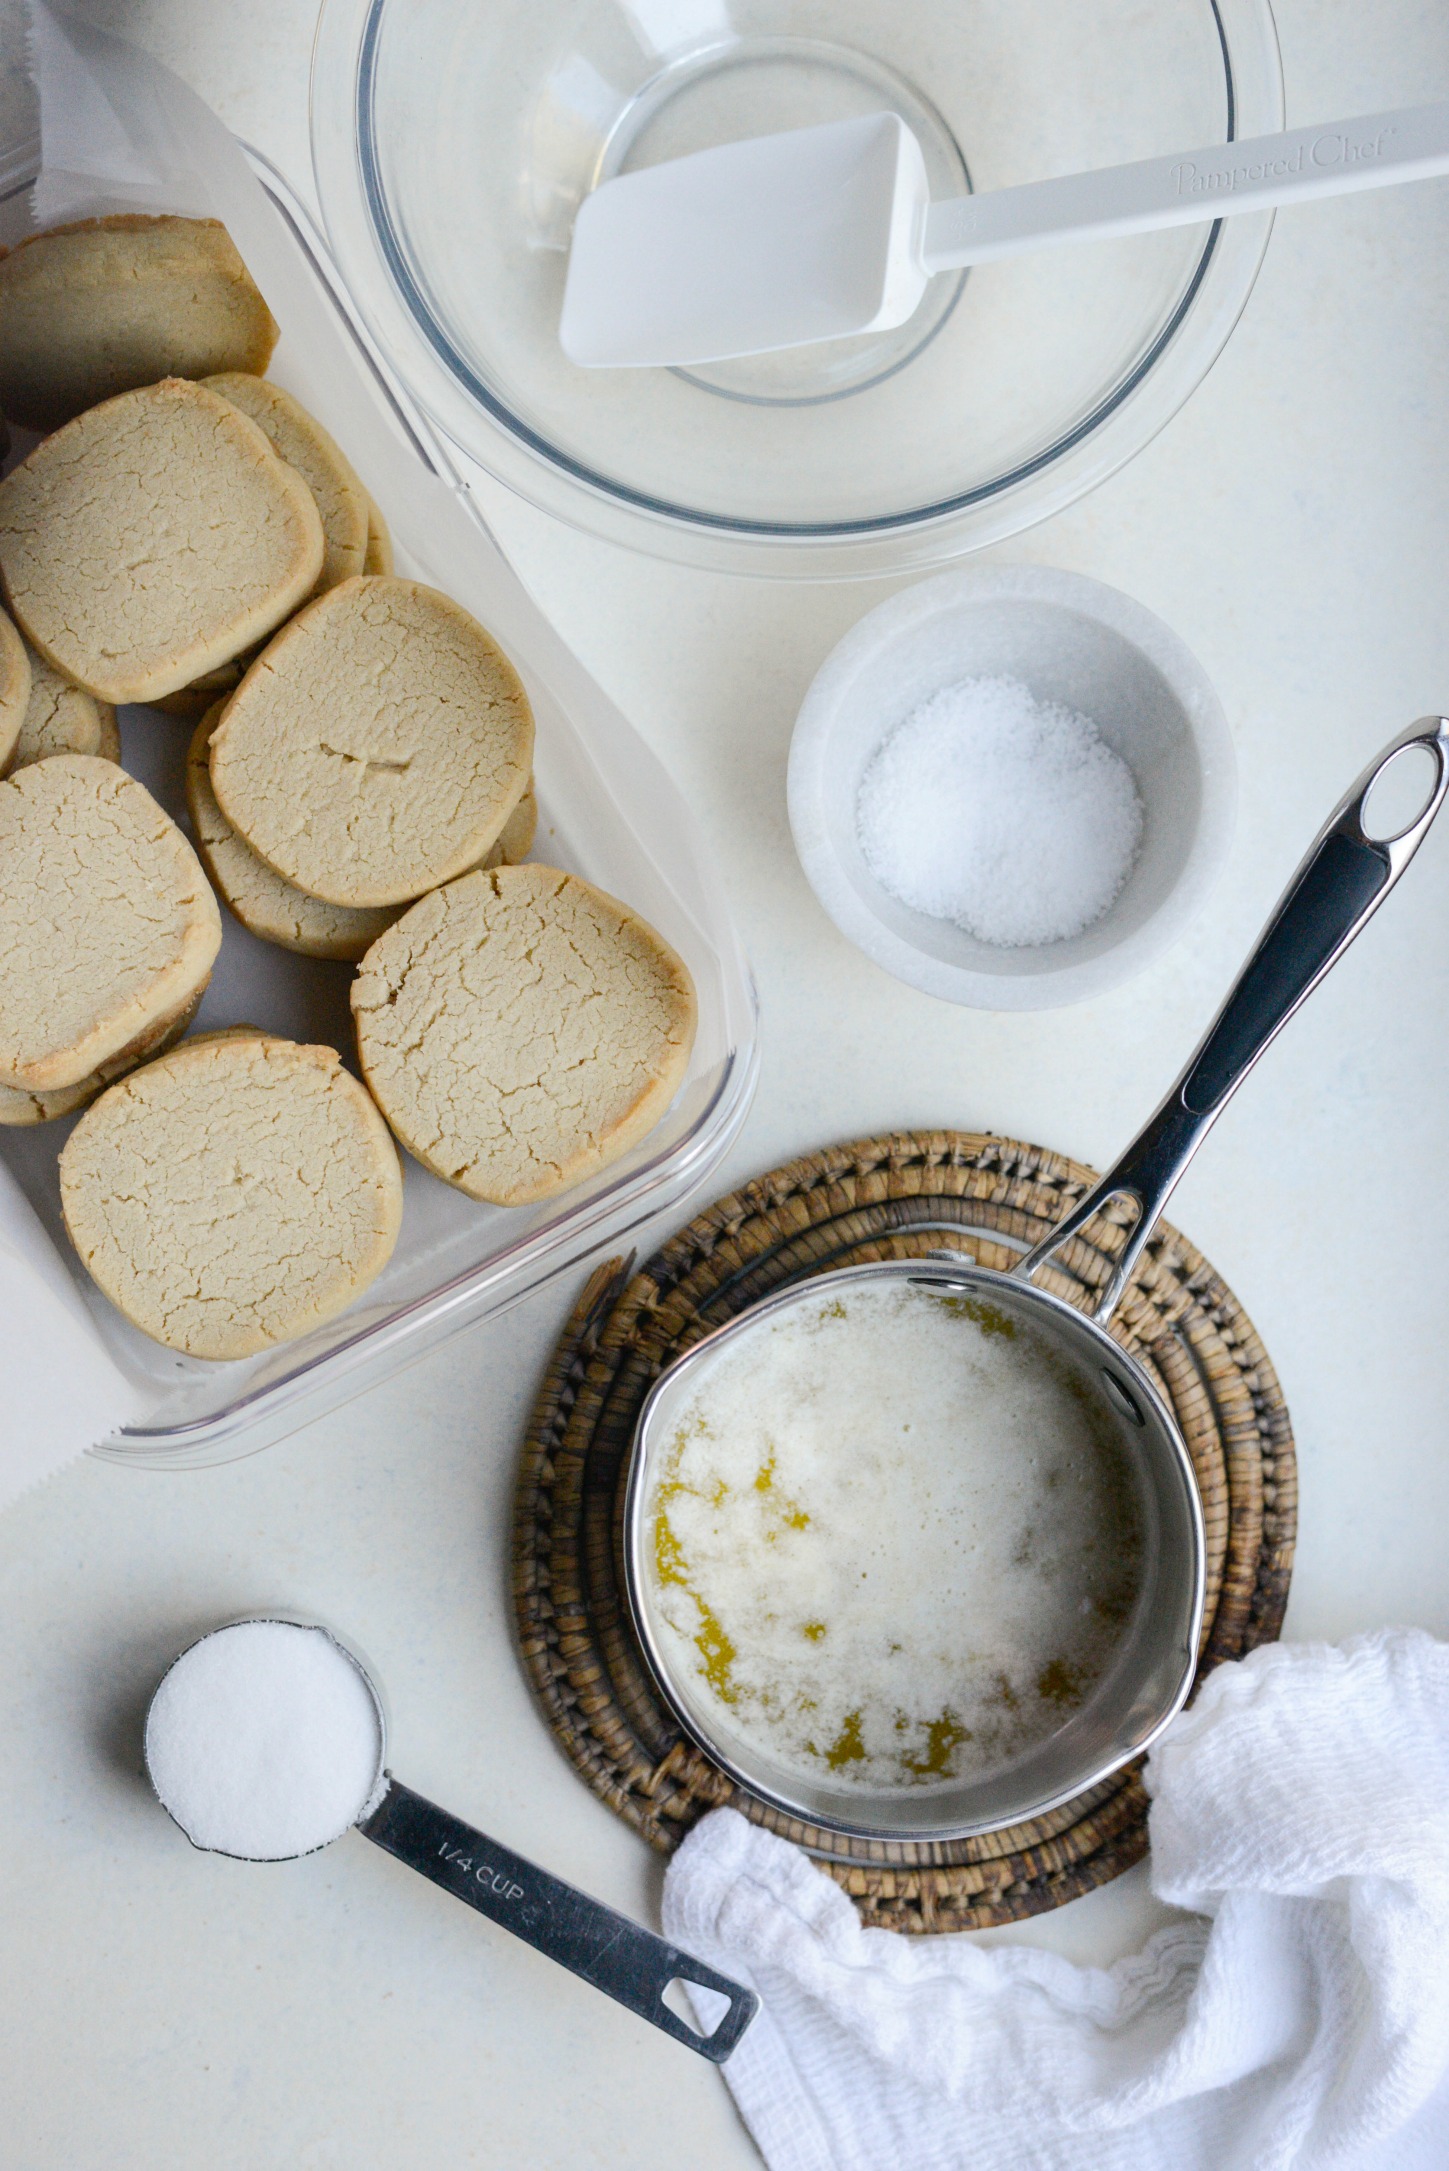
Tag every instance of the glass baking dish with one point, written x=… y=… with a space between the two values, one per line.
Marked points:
x=608 y=811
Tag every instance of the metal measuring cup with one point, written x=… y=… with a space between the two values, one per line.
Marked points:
x=1341 y=883
x=617 y=1956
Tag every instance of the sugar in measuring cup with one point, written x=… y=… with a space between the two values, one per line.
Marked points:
x=266 y=1740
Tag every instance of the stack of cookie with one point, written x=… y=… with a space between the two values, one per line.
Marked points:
x=108 y=932
x=360 y=788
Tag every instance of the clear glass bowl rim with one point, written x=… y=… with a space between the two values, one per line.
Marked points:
x=1121 y=422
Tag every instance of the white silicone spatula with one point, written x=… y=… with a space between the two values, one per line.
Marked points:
x=824 y=232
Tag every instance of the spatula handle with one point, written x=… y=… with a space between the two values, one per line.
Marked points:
x=614 y=1954
x=1189 y=186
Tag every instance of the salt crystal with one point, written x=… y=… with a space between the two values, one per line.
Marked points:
x=264 y=1741
x=1008 y=815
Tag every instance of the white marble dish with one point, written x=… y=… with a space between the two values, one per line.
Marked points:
x=1071 y=640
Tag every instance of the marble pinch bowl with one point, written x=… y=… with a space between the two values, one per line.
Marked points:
x=1069 y=639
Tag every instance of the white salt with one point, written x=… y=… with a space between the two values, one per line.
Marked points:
x=892 y=1539
x=264 y=1741
x=1010 y=816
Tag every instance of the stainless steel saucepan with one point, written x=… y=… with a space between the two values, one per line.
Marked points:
x=1352 y=866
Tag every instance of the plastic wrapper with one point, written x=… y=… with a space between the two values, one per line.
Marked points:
x=94 y=126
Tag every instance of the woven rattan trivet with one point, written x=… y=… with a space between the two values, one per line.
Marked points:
x=880 y=1198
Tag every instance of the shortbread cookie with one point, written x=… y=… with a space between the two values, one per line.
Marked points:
x=344 y=506
x=520 y=1029
x=379 y=542
x=105 y=305
x=209 y=691
x=300 y=440
x=233 y=1194
x=193 y=699
x=14 y=689
x=107 y=923
x=263 y=900
x=19 y=1108
x=268 y=904
x=152 y=539
x=62 y=719
x=376 y=747
x=196 y=697
x=515 y=839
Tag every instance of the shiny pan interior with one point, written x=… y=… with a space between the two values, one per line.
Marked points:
x=1148 y=1680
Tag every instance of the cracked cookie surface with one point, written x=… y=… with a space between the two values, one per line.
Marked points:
x=15 y=679
x=103 y=305
x=233 y=1194
x=154 y=538
x=520 y=1029
x=376 y=747
x=62 y=719
x=343 y=505
x=107 y=923
x=299 y=438
x=19 y=1109
x=275 y=909
x=264 y=901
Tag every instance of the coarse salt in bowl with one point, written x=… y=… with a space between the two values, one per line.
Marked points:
x=1071 y=641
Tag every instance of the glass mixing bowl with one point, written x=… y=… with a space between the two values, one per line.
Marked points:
x=454 y=139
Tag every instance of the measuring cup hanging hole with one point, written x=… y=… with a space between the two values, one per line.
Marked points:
x=695 y=2004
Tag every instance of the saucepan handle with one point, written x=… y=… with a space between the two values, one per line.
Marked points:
x=1336 y=891
x=615 y=1955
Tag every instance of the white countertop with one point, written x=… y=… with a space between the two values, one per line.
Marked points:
x=161 y=2008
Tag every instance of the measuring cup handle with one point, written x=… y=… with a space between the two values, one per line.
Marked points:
x=614 y=1954
x=1336 y=891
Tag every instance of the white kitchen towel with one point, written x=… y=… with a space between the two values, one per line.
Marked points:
x=1301 y=1807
